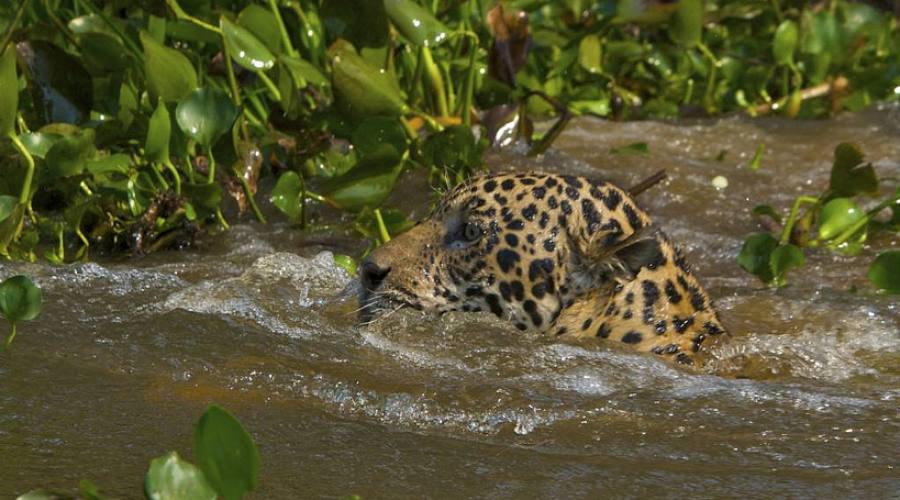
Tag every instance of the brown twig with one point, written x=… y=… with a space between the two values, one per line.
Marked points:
x=647 y=183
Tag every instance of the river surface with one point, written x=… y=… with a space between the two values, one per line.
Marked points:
x=129 y=352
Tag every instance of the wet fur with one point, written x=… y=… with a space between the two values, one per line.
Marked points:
x=564 y=255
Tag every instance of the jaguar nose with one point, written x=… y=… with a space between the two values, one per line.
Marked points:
x=371 y=274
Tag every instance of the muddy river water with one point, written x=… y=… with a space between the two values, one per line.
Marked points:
x=128 y=353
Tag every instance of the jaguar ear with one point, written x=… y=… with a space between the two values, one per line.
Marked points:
x=610 y=222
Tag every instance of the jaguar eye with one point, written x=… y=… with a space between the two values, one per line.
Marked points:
x=471 y=232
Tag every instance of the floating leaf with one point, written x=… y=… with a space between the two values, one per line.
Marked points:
x=159 y=131
x=226 y=454
x=755 y=255
x=365 y=24
x=783 y=259
x=363 y=90
x=589 y=54
x=848 y=175
x=417 y=24
x=205 y=114
x=170 y=75
x=245 y=48
x=768 y=211
x=287 y=193
x=884 y=271
x=686 y=24
x=346 y=263
x=785 y=42
x=20 y=299
x=171 y=478
x=837 y=216
x=9 y=97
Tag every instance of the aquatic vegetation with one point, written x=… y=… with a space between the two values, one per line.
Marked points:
x=227 y=465
x=833 y=220
x=20 y=300
x=133 y=126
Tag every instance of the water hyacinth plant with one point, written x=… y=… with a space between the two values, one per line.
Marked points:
x=134 y=126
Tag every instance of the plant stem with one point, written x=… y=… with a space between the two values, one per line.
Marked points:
x=466 y=108
x=25 y=195
x=285 y=39
x=174 y=172
x=9 y=339
x=12 y=26
x=382 y=229
x=273 y=90
x=435 y=81
x=211 y=174
x=792 y=218
x=256 y=212
x=181 y=14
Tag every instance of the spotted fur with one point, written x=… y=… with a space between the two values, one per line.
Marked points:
x=558 y=254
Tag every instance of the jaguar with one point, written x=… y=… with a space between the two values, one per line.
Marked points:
x=558 y=254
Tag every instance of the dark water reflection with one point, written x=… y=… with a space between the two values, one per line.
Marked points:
x=127 y=354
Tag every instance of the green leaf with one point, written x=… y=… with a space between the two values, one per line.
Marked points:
x=785 y=42
x=362 y=89
x=207 y=196
x=635 y=148
x=159 y=131
x=589 y=53
x=68 y=155
x=20 y=299
x=768 y=211
x=170 y=75
x=303 y=72
x=286 y=194
x=346 y=263
x=9 y=97
x=39 y=143
x=686 y=24
x=245 y=48
x=848 y=175
x=784 y=258
x=263 y=24
x=365 y=24
x=171 y=478
x=884 y=271
x=119 y=163
x=88 y=490
x=414 y=22
x=755 y=255
x=11 y=226
x=837 y=216
x=7 y=205
x=756 y=161
x=377 y=133
x=226 y=454
x=367 y=185
x=454 y=149
x=205 y=114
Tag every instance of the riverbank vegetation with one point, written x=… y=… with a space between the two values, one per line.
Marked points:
x=134 y=126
